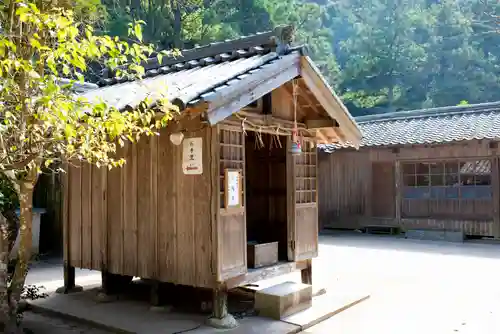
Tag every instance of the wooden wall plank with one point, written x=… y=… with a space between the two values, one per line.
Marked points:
x=168 y=173
x=201 y=213
x=344 y=188
x=144 y=218
x=153 y=204
x=384 y=190
x=105 y=223
x=130 y=211
x=148 y=219
x=98 y=224
x=114 y=214
x=495 y=181
x=232 y=235
x=75 y=215
x=86 y=183
x=186 y=258
x=306 y=234
x=215 y=203
x=66 y=183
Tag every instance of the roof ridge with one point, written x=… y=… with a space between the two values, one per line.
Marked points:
x=242 y=47
x=422 y=113
x=214 y=48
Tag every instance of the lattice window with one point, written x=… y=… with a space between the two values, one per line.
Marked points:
x=305 y=175
x=232 y=155
x=454 y=188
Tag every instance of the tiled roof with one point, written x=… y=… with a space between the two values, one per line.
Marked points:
x=427 y=126
x=198 y=73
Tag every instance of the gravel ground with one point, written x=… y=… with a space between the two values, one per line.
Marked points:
x=43 y=324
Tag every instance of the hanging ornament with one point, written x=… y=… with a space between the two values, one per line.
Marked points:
x=176 y=138
x=295 y=149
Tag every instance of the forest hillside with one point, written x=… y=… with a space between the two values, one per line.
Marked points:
x=380 y=55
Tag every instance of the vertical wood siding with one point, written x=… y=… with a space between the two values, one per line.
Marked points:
x=146 y=219
x=383 y=190
x=348 y=198
x=344 y=187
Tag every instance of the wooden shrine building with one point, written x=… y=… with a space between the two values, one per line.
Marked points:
x=193 y=205
x=422 y=169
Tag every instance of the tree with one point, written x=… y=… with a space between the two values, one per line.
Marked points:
x=384 y=54
x=45 y=123
x=308 y=19
x=170 y=23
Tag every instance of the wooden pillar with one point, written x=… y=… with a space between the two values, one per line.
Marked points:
x=495 y=183
x=368 y=185
x=68 y=270
x=106 y=284
x=69 y=276
x=399 y=190
x=154 y=297
x=69 y=280
x=306 y=273
x=220 y=303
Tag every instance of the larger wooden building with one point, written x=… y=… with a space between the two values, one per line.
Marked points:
x=219 y=178
x=435 y=168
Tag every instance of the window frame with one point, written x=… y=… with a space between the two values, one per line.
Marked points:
x=424 y=188
x=453 y=198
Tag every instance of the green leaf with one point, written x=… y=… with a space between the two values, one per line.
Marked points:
x=138 y=32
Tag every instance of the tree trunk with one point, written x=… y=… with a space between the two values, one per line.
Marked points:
x=177 y=26
x=4 y=274
x=26 y=188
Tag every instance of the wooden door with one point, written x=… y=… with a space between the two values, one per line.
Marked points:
x=383 y=190
x=231 y=231
x=302 y=203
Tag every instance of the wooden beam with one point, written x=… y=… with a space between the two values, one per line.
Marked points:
x=330 y=101
x=270 y=120
x=265 y=273
x=332 y=134
x=495 y=180
x=399 y=190
x=253 y=92
x=324 y=139
x=320 y=123
x=305 y=96
x=301 y=111
x=313 y=105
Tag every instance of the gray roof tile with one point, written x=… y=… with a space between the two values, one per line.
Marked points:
x=195 y=75
x=437 y=125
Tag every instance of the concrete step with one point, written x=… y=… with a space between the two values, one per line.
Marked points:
x=282 y=300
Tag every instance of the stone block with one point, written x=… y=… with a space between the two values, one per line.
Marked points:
x=282 y=300
x=436 y=235
x=454 y=235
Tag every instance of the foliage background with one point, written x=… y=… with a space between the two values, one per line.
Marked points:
x=381 y=55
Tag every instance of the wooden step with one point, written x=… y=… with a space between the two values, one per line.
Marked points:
x=382 y=229
x=282 y=300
